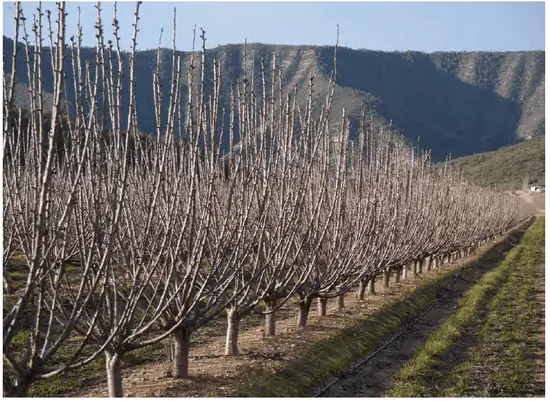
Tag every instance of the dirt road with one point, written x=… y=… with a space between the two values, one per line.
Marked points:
x=536 y=199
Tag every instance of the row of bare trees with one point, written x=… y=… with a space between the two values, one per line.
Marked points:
x=128 y=239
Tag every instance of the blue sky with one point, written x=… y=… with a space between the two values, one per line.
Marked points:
x=426 y=26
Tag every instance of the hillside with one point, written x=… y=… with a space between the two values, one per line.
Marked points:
x=459 y=103
x=508 y=168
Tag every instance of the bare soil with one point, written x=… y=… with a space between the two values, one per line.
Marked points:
x=536 y=199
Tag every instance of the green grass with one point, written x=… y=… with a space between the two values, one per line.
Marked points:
x=422 y=375
x=502 y=363
x=19 y=279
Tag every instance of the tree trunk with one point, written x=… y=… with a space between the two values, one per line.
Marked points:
x=398 y=273
x=341 y=303
x=420 y=263
x=180 y=365
x=362 y=288
x=270 y=318
x=19 y=389
x=387 y=275
x=322 y=306
x=372 y=281
x=231 y=342
x=405 y=272
x=8 y=283
x=305 y=305
x=270 y=324
x=428 y=263
x=114 y=373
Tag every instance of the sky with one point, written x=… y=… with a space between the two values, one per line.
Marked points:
x=388 y=26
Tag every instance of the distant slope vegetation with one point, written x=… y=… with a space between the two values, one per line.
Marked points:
x=452 y=103
x=508 y=168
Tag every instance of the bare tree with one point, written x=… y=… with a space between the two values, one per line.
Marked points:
x=130 y=239
x=50 y=225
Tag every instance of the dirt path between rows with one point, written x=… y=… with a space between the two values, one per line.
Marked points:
x=535 y=199
x=376 y=377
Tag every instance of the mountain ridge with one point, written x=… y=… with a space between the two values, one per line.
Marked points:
x=456 y=103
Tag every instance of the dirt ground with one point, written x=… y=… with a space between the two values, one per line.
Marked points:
x=212 y=374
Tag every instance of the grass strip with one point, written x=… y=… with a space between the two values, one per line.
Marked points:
x=416 y=378
x=503 y=362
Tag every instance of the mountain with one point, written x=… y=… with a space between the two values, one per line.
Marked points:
x=452 y=103
x=509 y=168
